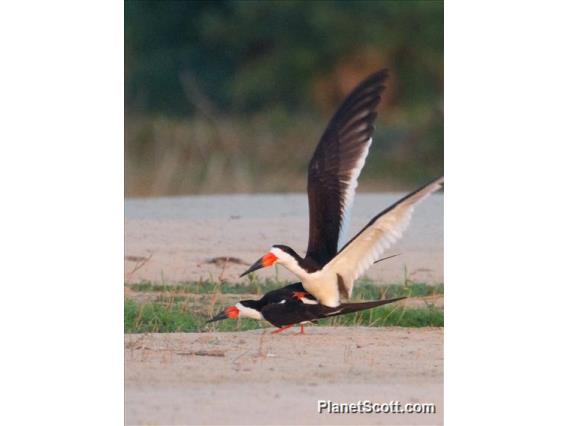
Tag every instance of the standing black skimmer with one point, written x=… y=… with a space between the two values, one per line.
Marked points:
x=327 y=272
x=292 y=305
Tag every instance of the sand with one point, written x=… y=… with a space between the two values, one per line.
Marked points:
x=172 y=239
x=254 y=377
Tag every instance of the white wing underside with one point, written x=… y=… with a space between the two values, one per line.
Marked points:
x=352 y=262
x=349 y=196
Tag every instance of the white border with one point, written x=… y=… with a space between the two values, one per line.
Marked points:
x=505 y=212
x=61 y=171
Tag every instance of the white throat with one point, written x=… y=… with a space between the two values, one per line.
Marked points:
x=245 y=312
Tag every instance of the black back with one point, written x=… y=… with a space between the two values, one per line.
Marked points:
x=276 y=296
x=293 y=311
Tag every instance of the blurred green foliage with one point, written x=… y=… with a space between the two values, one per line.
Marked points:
x=229 y=65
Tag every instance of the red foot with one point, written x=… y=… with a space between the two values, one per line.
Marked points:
x=299 y=294
x=286 y=327
x=281 y=329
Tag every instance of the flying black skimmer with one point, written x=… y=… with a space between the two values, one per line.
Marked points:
x=292 y=305
x=326 y=271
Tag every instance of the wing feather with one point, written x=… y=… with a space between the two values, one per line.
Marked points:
x=335 y=167
x=379 y=234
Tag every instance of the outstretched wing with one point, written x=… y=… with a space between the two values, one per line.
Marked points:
x=336 y=165
x=383 y=230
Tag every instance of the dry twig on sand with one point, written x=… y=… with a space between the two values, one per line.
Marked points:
x=141 y=261
x=202 y=353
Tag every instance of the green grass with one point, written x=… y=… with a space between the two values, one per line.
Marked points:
x=207 y=287
x=157 y=318
x=186 y=307
x=364 y=290
x=394 y=316
x=177 y=317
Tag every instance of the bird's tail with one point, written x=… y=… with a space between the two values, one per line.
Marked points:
x=348 y=308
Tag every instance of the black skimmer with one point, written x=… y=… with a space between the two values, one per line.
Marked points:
x=326 y=271
x=292 y=305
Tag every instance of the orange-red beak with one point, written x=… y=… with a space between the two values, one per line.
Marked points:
x=230 y=312
x=265 y=261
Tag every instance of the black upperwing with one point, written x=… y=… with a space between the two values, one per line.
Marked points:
x=289 y=311
x=292 y=311
x=336 y=165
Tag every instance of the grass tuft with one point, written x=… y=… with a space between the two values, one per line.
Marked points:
x=185 y=307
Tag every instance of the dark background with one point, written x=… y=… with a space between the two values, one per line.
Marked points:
x=232 y=96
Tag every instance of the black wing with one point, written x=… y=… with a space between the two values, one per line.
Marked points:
x=292 y=311
x=336 y=165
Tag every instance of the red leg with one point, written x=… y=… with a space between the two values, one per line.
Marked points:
x=281 y=329
x=301 y=330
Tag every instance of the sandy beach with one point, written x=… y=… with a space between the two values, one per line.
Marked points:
x=174 y=239
x=257 y=378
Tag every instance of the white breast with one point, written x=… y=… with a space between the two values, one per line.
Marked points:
x=324 y=288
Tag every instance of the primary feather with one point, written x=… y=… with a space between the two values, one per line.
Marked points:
x=336 y=165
